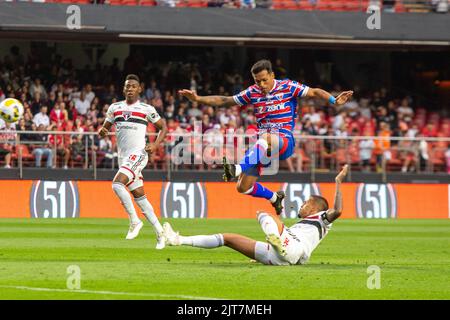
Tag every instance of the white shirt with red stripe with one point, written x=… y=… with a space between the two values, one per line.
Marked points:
x=302 y=238
x=131 y=125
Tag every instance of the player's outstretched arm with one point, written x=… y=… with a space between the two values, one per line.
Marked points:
x=103 y=132
x=322 y=94
x=215 y=101
x=335 y=212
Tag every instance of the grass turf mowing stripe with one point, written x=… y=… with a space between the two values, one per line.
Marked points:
x=137 y=294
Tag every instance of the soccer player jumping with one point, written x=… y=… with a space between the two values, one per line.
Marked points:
x=275 y=106
x=131 y=118
x=285 y=245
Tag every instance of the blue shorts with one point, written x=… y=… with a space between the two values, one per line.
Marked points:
x=286 y=149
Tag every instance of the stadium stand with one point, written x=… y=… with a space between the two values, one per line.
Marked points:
x=57 y=96
x=399 y=6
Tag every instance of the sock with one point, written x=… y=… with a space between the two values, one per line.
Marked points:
x=126 y=201
x=268 y=224
x=147 y=210
x=258 y=191
x=207 y=242
x=238 y=170
x=255 y=156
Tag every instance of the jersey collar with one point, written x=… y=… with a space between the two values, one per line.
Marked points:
x=275 y=85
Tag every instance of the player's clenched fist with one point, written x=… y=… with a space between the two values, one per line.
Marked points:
x=103 y=132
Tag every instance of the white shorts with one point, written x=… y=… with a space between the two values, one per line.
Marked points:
x=132 y=166
x=295 y=251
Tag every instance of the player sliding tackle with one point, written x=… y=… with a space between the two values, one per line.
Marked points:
x=131 y=117
x=275 y=106
x=284 y=246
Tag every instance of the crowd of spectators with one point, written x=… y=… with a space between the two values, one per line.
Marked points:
x=59 y=97
x=326 y=5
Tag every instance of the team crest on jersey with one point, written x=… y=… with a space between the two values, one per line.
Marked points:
x=126 y=115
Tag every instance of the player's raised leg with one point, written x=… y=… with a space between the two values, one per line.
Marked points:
x=272 y=228
x=248 y=171
x=119 y=186
x=235 y=241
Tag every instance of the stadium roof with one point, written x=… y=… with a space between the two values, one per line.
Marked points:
x=223 y=26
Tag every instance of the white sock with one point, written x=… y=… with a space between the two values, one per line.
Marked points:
x=268 y=224
x=147 y=210
x=125 y=199
x=207 y=242
x=274 y=197
x=238 y=170
x=249 y=191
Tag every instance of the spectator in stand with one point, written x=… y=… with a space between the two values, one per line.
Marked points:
x=430 y=130
x=56 y=141
x=339 y=119
x=383 y=117
x=424 y=156
x=105 y=153
x=77 y=149
x=111 y=94
x=7 y=142
x=312 y=115
x=88 y=93
x=42 y=148
x=404 y=111
x=37 y=103
x=383 y=146
x=366 y=147
x=92 y=113
x=51 y=100
x=36 y=86
x=57 y=115
x=42 y=118
x=82 y=104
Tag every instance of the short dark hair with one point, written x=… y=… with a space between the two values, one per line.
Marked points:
x=262 y=65
x=321 y=202
x=132 y=77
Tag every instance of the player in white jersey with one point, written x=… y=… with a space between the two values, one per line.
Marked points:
x=131 y=118
x=285 y=245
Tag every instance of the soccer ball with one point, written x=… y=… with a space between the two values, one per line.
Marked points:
x=11 y=110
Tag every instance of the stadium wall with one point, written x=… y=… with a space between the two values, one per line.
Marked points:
x=95 y=199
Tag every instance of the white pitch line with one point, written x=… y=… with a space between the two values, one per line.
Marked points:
x=180 y=296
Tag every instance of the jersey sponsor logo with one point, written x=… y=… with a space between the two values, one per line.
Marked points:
x=376 y=201
x=54 y=199
x=183 y=200
x=296 y=194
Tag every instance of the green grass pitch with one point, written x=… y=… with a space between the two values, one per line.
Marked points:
x=413 y=256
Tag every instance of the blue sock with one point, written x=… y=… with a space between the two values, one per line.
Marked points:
x=261 y=192
x=255 y=156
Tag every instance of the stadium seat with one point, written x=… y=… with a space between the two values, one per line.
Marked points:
x=129 y=2
x=27 y=156
x=148 y=3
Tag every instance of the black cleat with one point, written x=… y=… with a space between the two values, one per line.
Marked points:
x=278 y=204
x=229 y=170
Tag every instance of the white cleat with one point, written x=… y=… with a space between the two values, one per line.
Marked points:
x=133 y=232
x=173 y=238
x=275 y=241
x=161 y=241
